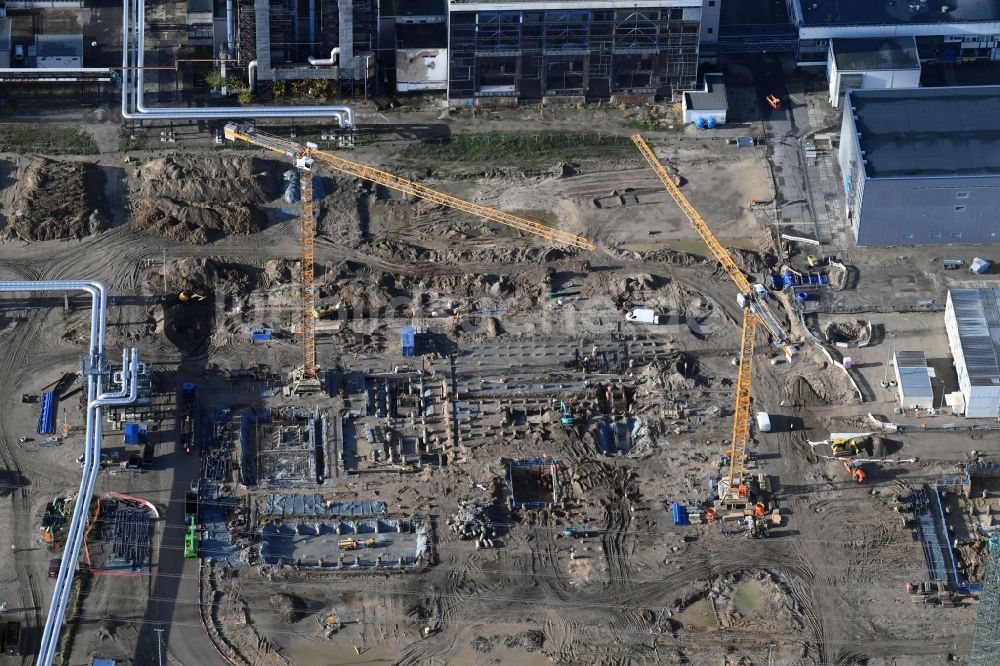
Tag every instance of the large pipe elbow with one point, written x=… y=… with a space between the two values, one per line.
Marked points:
x=323 y=62
x=252 y=74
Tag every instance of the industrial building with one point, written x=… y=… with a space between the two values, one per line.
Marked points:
x=321 y=39
x=709 y=104
x=413 y=45
x=875 y=63
x=922 y=166
x=571 y=50
x=58 y=51
x=972 y=319
x=913 y=380
x=945 y=30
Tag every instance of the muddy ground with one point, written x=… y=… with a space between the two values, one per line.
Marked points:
x=828 y=585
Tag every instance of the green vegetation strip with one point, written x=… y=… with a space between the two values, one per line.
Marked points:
x=500 y=147
x=46 y=139
x=80 y=586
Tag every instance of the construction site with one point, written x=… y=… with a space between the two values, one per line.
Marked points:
x=564 y=396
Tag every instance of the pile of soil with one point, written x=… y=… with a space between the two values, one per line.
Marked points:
x=668 y=256
x=289 y=607
x=210 y=178
x=845 y=331
x=751 y=262
x=195 y=222
x=58 y=200
x=200 y=199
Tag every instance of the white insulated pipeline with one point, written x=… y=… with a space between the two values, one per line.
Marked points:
x=96 y=398
x=133 y=81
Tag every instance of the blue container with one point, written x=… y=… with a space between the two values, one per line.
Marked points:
x=788 y=279
x=824 y=278
x=699 y=123
x=408 y=340
x=680 y=514
x=711 y=123
x=801 y=296
x=774 y=282
x=131 y=433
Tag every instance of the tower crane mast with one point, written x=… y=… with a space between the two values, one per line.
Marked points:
x=764 y=314
x=732 y=487
x=305 y=379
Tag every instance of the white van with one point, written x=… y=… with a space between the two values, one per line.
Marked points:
x=763 y=422
x=760 y=292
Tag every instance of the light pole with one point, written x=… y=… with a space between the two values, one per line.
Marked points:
x=885 y=375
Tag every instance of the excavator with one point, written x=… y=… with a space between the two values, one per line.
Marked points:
x=305 y=380
x=855 y=469
x=732 y=488
x=190 y=297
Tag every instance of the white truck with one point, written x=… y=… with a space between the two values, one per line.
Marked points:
x=643 y=315
x=763 y=422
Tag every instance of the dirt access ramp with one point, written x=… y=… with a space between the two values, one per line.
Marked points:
x=202 y=198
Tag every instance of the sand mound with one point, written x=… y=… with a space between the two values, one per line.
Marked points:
x=201 y=199
x=57 y=200
x=195 y=222
x=230 y=178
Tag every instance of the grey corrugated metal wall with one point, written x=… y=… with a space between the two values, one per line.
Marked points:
x=929 y=211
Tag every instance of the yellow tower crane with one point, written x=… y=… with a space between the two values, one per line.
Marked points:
x=305 y=157
x=732 y=487
x=748 y=295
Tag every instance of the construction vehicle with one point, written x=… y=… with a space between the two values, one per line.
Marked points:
x=747 y=295
x=193 y=297
x=305 y=380
x=567 y=418
x=574 y=531
x=773 y=102
x=643 y=315
x=855 y=469
x=844 y=448
x=354 y=544
x=191 y=540
x=732 y=487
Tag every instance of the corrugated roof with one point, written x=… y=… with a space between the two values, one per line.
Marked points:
x=910 y=359
x=977 y=312
x=913 y=376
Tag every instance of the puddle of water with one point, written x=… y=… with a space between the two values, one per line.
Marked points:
x=747 y=598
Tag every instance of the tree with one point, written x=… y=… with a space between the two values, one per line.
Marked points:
x=278 y=89
x=235 y=84
x=244 y=97
x=213 y=80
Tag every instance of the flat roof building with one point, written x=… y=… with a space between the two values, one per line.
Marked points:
x=913 y=380
x=922 y=166
x=972 y=319
x=58 y=51
x=946 y=30
x=871 y=63
x=709 y=102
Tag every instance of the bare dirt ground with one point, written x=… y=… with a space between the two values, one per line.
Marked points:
x=828 y=585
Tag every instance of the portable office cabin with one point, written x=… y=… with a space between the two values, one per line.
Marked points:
x=913 y=380
x=972 y=319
